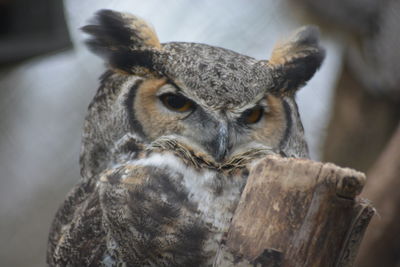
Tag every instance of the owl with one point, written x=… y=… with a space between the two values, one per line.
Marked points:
x=168 y=142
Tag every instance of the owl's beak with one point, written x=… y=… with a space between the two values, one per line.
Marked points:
x=220 y=149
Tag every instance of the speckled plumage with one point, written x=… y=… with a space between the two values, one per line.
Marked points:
x=160 y=185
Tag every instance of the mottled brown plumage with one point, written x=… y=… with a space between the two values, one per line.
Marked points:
x=168 y=141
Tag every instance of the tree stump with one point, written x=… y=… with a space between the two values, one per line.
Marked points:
x=297 y=212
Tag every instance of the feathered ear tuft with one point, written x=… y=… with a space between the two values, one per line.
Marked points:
x=295 y=60
x=125 y=41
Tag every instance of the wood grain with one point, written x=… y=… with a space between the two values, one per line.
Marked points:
x=297 y=212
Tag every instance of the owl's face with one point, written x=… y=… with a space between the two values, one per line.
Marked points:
x=213 y=100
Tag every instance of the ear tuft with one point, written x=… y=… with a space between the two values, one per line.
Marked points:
x=295 y=60
x=118 y=36
x=113 y=30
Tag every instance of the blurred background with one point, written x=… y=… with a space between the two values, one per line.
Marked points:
x=350 y=109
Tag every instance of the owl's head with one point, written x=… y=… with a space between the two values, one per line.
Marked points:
x=208 y=98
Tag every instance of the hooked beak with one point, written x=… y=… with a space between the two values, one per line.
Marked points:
x=219 y=146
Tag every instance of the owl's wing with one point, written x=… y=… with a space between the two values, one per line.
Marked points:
x=77 y=235
x=135 y=215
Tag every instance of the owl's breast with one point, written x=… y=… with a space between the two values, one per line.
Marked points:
x=212 y=193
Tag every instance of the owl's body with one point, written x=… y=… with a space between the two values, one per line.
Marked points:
x=154 y=211
x=168 y=142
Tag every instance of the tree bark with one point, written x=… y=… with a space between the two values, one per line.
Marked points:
x=297 y=212
x=381 y=245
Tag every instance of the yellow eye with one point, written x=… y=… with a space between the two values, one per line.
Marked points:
x=176 y=102
x=253 y=115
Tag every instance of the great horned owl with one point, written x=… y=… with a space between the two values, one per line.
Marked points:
x=168 y=141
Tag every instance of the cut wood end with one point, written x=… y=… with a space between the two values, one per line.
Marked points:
x=349 y=182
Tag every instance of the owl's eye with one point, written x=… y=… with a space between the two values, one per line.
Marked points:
x=176 y=102
x=253 y=115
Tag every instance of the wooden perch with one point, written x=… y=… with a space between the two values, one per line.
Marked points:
x=297 y=212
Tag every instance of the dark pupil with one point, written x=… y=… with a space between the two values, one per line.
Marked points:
x=176 y=101
x=247 y=113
